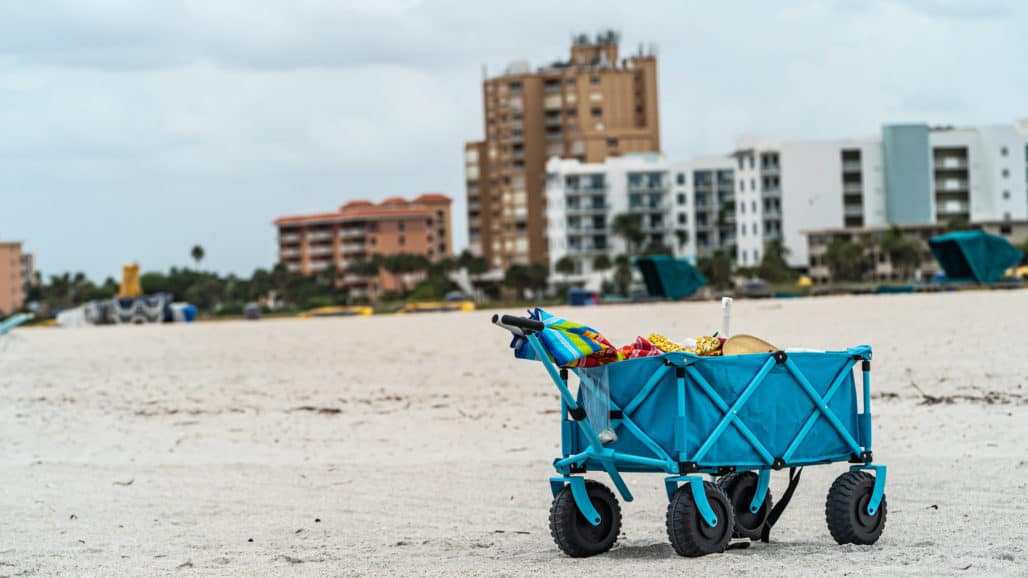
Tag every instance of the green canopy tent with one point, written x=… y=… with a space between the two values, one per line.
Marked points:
x=974 y=255
x=668 y=277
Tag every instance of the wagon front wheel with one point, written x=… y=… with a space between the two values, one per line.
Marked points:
x=740 y=487
x=574 y=534
x=846 y=509
x=688 y=531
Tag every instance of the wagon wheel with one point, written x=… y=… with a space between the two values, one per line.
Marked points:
x=846 y=509
x=740 y=488
x=689 y=533
x=573 y=533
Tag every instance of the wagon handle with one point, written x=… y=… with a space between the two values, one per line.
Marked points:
x=518 y=325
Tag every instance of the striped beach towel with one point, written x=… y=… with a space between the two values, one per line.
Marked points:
x=567 y=342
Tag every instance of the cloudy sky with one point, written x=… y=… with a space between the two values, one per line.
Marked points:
x=132 y=130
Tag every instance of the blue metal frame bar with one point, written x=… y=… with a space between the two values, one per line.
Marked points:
x=763 y=481
x=699 y=495
x=580 y=494
x=878 y=492
x=626 y=419
x=812 y=418
x=822 y=406
x=647 y=389
x=731 y=416
x=866 y=416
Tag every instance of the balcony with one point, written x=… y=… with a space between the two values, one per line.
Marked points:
x=648 y=187
x=588 y=189
x=853 y=211
x=353 y=233
x=353 y=247
x=320 y=251
x=287 y=253
x=852 y=188
x=320 y=235
x=851 y=166
x=289 y=238
x=769 y=170
x=951 y=185
x=952 y=208
x=587 y=209
x=554 y=121
x=772 y=193
x=950 y=163
x=554 y=137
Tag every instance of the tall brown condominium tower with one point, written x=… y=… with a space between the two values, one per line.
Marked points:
x=591 y=107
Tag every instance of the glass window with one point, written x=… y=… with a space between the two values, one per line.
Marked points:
x=1006 y=195
x=753 y=184
x=682 y=218
x=680 y=178
x=1003 y=151
x=753 y=207
x=1006 y=173
x=742 y=185
x=594 y=79
x=742 y=208
x=681 y=198
x=596 y=112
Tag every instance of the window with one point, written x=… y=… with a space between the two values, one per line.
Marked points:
x=751 y=161
x=753 y=207
x=740 y=163
x=400 y=240
x=682 y=219
x=742 y=185
x=1006 y=216
x=1006 y=195
x=680 y=179
x=596 y=112
x=401 y=226
x=753 y=184
x=1003 y=151
x=612 y=142
x=1005 y=229
x=742 y=208
x=1006 y=173
x=594 y=79
x=756 y=255
x=681 y=198
x=570 y=81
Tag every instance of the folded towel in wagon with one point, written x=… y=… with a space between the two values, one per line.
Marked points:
x=567 y=342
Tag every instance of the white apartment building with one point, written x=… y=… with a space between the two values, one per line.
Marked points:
x=703 y=206
x=786 y=187
x=779 y=189
x=583 y=199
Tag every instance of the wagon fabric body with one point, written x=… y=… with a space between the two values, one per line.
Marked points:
x=737 y=418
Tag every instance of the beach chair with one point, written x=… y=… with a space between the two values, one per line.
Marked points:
x=735 y=418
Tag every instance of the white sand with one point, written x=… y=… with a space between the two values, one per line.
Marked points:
x=437 y=462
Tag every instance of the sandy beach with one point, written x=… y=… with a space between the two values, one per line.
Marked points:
x=411 y=445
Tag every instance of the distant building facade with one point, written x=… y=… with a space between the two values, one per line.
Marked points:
x=878 y=266
x=911 y=174
x=594 y=106
x=308 y=244
x=12 y=280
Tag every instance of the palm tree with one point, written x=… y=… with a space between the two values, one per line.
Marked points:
x=197 y=254
x=565 y=266
x=602 y=263
x=629 y=227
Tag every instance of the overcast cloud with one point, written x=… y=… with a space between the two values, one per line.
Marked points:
x=133 y=130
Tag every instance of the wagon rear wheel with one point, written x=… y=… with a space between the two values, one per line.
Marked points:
x=689 y=533
x=846 y=509
x=573 y=533
x=740 y=488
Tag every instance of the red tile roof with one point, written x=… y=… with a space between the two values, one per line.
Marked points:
x=433 y=198
x=392 y=207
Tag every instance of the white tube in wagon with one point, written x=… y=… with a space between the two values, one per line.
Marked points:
x=726 y=316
